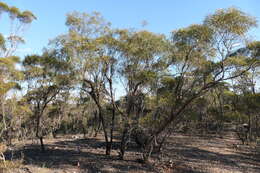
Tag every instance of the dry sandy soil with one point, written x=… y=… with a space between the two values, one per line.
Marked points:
x=182 y=153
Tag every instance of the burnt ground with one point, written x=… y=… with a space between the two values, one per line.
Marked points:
x=182 y=153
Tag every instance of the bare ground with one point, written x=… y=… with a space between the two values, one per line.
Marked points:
x=212 y=154
x=182 y=153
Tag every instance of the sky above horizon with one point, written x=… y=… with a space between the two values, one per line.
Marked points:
x=162 y=16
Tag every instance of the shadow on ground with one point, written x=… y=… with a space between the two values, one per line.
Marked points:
x=88 y=155
x=189 y=154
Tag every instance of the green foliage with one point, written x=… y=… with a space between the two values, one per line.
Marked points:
x=230 y=20
x=9 y=74
x=2 y=41
x=3 y=7
x=88 y=25
x=254 y=47
x=194 y=37
x=26 y=17
x=144 y=45
x=14 y=12
x=7 y=68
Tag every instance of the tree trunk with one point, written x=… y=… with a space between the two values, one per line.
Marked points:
x=84 y=132
x=123 y=143
x=111 y=130
x=147 y=152
x=54 y=135
x=96 y=127
x=39 y=136
x=3 y=113
x=250 y=128
x=42 y=144
x=108 y=147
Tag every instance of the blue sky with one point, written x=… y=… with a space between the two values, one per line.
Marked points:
x=162 y=16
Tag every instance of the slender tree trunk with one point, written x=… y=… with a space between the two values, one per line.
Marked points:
x=123 y=143
x=40 y=137
x=97 y=128
x=112 y=129
x=3 y=113
x=167 y=134
x=95 y=124
x=42 y=144
x=250 y=128
x=147 y=152
x=84 y=131
x=91 y=131
x=108 y=146
x=54 y=135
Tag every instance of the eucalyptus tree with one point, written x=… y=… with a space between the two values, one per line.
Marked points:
x=85 y=45
x=47 y=77
x=139 y=57
x=200 y=60
x=9 y=42
x=161 y=77
x=19 y=21
x=246 y=92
